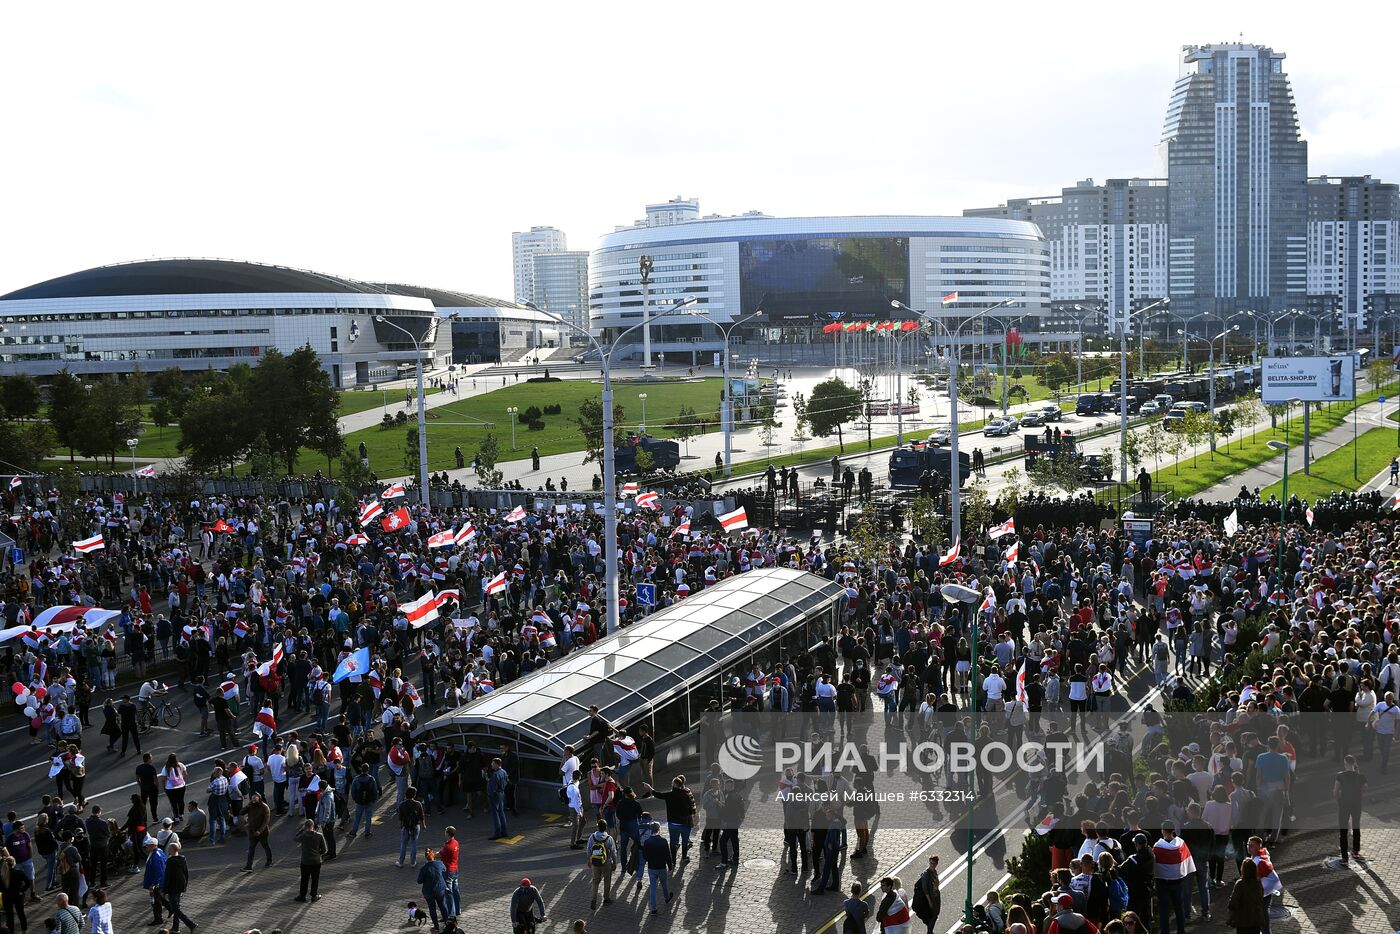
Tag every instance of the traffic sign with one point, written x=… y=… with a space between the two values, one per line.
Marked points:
x=646 y=594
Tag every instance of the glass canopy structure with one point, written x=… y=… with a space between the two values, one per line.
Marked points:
x=663 y=671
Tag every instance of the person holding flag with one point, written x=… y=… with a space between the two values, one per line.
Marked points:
x=356 y=664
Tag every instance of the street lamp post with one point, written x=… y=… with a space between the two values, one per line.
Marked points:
x=512 y=411
x=1079 y=357
x=609 y=454
x=726 y=411
x=641 y=429
x=422 y=407
x=131 y=445
x=1211 y=387
x=1123 y=384
x=955 y=494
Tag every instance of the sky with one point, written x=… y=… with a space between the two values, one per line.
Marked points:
x=405 y=142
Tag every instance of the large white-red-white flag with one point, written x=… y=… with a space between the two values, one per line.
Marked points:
x=496 y=584
x=419 y=612
x=88 y=545
x=266 y=667
x=1021 y=697
x=442 y=539
x=733 y=521
x=1013 y=554
x=265 y=724
x=148 y=471
x=647 y=500
x=952 y=555
x=629 y=489
x=464 y=534
x=1006 y=528
x=371 y=512
x=682 y=529
x=516 y=514
x=394 y=491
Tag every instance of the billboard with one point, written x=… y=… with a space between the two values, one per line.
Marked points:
x=1309 y=379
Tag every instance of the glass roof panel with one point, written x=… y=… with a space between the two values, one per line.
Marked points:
x=728 y=649
x=735 y=622
x=558 y=717
x=646 y=648
x=601 y=694
x=673 y=657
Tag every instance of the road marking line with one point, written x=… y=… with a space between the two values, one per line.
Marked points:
x=511 y=840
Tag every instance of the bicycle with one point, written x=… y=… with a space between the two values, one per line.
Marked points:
x=165 y=711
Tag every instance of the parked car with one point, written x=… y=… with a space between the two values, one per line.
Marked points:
x=1000 y=427
x=1150 y=407
x=1033 y=419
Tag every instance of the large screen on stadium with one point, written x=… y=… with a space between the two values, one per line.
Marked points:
x=823 y=279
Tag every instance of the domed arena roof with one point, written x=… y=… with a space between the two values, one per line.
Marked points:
x=187 y=277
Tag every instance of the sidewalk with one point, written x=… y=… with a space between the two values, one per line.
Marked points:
x=1271 y=470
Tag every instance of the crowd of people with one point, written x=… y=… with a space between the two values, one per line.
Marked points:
x=261 y=613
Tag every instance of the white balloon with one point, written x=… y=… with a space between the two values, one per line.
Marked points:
x=31 y=712
x=23 y=700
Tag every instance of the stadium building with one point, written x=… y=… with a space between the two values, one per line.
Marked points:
x=199 y=314
x=806 y=273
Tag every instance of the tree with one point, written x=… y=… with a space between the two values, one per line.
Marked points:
x=833 y=403
x=20 y=395
x=1380 y=372
x=410 y=449
x=867 y=408
x=799 y=417
x=1132 y=451
x=108 y=420
x=1154 y=443
x=683 y=426
x=486 y=457
x=590 y=425
x=217 y=425
x=1249 y=412
x=354 y=476
x=296 y=404
x=26 y=445
x=1196 y=427
x=170 y=391
x=1224 y=424
x=67 y=400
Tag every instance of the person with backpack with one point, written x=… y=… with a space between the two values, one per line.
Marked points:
x=927 y=902
x=600 y=852
x=524 y=902
x=412 y=820
x=857 y=910
x=1114 y=886
x=364 y=792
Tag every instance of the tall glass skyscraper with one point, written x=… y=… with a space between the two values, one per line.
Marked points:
x=1238 y=172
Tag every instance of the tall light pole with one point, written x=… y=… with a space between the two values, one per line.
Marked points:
x=609 y=454
x=1211 y=377
x=644 y=263
x=726 y=410
x=1006 y=324
x=955 y=494
x=422 y=408
x=512 y=411
x=1123 y=326
x=131 y=445
x=1079 y=357
x=641 y=429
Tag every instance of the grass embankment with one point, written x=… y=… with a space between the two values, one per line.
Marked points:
x=1203 y=469
x=1349 y=467
x=353 y=401
x=464 y=423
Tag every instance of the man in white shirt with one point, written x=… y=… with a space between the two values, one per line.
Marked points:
x=277 y=771
x=1385 y=718
x=993 y=687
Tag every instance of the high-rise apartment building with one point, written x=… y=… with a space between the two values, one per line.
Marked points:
x=1108 y=246
x=1238 y=170
x=561 y=286
x=524 y=245
x=1353 y=251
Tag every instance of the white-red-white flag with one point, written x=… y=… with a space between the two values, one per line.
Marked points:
x=734 y=521
x=647 y=500
x=629 y=489
x=1021 y=697
x=464 y=534
x=88 y=545
x=442 y=539
x=265 y=724
x=1006 y=528
x=359 y=538
x=953 y=553
x=16 y=483
x=370 y=512
x=394 y=491
x=516 y=514
x=496 y=584
x=682 y=529
x=419 y=612
x=1309 y=513
x=148 y=471
x=1013 y=554
x=950 y=298
x=266 y=667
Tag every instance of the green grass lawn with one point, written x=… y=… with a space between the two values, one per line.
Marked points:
x=1371 y=452
x=1192 y=474
x=353 y=401
x=460 y=423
